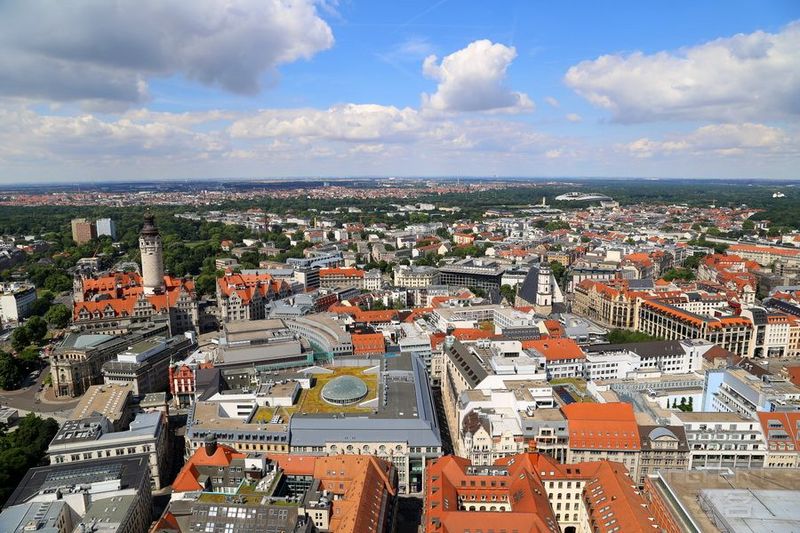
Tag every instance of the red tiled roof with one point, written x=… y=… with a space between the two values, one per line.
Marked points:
x=368 y=343
x=602 y=426
x=555 y=349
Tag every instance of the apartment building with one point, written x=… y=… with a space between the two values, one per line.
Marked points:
x=245 y=296
x=663 y=448
x=765 y=255
x=16 y=300
x=782 y=434
x=106 y=226
x=83 y=230
x=722 y=440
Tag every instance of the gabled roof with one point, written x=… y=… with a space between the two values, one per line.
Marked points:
x=187 y=478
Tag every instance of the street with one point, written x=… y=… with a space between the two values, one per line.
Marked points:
x=28 y=399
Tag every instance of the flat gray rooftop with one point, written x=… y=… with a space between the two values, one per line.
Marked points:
x=745 y=511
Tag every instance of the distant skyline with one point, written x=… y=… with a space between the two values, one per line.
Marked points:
x=93 y=90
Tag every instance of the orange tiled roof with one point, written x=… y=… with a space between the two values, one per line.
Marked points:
x=449 y=486
x=555 y=349
x=472 y=334
x=368 y=343
x=186 y=480
x=344 y=272
x=794 y=374
x=774 y=250
x=613 y=503
x=376 y=316
x=781 y=430
x=603 y=426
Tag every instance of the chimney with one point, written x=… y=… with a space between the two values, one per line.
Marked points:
x=210 y=445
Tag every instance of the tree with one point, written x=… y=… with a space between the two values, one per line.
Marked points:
x=622 y=336
x=10 y=372
x=693 y=261
x=508 y=292
x=206 y=283
x=748 y=225
x=554 y=225
x=58 y=316
x=57 y=283
x=20 y=338
x=559 y=272
x=37 y=328
x=678 y=273
x=41 y=305
x=29 y=356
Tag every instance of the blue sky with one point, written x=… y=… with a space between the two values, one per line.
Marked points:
x=261 y=88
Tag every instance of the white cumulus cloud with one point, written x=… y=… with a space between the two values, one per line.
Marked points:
x=752 y=76
x=719 y=139
x=105 y=52
x=474 y=79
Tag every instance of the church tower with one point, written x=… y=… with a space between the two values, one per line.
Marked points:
x=152 y=256
x=544 y=292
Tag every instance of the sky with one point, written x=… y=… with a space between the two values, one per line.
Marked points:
x=96 y=90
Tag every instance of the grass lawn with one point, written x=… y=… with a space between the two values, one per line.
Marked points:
x=313 y=402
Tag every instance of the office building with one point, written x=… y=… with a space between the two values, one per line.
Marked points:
x=483 y=274
x=92 y=438
x=76 y=362
x=144 y=365
x=109 y=495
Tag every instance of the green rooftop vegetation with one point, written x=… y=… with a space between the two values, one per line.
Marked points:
x=312 y=402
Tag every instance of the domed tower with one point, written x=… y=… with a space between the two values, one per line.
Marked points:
x=152 y=256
